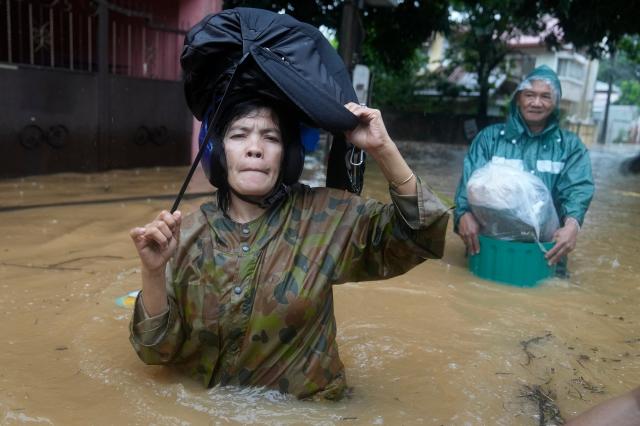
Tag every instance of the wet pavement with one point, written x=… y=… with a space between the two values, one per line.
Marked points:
x=434 y=346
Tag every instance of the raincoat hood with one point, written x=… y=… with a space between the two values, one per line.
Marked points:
x=515 y=123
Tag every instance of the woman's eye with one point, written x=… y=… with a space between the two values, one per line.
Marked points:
x=272 y=138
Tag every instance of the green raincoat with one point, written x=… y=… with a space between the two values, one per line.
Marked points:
x=557 y=156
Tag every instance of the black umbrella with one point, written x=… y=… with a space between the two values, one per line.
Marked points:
x=241 y=51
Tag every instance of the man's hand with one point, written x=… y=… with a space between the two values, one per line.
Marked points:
x=468 y=229
x=565 y=241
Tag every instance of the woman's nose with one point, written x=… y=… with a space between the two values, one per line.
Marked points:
x=254 y=153
x=254 y=148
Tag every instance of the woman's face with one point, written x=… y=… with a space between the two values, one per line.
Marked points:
x=254 y=148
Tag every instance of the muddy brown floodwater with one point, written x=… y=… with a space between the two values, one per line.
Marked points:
x=436 y=346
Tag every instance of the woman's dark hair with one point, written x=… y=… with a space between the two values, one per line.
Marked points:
x=286 y=120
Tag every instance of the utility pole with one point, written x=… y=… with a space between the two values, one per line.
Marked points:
x=351 y=33
x=605 y=122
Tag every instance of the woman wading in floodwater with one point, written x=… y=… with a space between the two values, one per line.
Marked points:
x=240 y=291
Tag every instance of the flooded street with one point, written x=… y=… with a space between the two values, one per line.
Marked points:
x=436 y=346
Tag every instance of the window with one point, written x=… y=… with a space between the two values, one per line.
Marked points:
x=570 y=68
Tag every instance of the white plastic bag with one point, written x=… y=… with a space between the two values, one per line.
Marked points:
x=511 y=204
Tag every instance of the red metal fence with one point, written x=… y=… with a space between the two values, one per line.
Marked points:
x=144 y=39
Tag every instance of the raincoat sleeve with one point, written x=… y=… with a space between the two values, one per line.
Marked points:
x=155 y=339
x=574 y=189
x=477 y=156
x=160 y=339
x=376 y=240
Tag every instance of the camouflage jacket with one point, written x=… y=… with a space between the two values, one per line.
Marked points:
x=252 y=304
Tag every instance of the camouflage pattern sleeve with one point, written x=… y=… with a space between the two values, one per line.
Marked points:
x=155 y=339
x=159 y=340
x=382 y=241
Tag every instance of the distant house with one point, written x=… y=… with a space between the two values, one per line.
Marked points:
x=576 y=71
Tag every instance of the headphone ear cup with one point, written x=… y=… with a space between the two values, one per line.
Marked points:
x=218 y=165
x=294 y=163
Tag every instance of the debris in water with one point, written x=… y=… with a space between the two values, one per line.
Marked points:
x=548 y=411
x=525 y=346
x=587 y=385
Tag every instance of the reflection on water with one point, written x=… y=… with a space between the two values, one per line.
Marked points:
x=434 y=346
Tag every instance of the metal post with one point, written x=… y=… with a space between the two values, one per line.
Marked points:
x=89 y=44
x=51 y=39
x=113 y=47
x=30 y=33
x=71 y=40
x=605 y=134
x=9 y=58
x=20 y=33
x=156 y=56
x=144 y=52
x=129 y=49
x=103 y=86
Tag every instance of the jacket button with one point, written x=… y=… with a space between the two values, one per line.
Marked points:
x=513 y=141
x=245 y=231
x=245 y=249
x=237 y=289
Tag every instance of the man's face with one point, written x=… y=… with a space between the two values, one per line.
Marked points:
x=253 y=147
x=536 y=104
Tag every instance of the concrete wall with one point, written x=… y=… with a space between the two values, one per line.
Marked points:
x=51 y=97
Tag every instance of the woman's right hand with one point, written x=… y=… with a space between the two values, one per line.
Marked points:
x=157 y=241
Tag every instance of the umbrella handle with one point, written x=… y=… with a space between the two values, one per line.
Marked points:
x=192 y=170
x=185 y=184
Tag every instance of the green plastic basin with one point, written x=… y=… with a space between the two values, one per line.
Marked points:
x=511 y=262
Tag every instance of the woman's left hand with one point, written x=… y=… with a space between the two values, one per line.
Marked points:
x=370 y=135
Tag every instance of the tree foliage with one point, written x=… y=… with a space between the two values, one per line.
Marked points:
x=392 y=34
x=480 y=32
x=630 y=93
x=595 y=25
x=393 y=37
x=314 y=12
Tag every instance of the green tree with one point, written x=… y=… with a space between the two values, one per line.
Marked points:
x=480 y=31
x=595 y=25
x=392 y=34
x=392 y=38
x=630 y=93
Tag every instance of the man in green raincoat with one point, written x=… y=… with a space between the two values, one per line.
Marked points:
x=531 y=139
